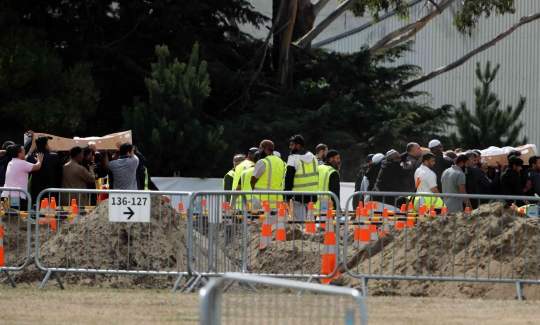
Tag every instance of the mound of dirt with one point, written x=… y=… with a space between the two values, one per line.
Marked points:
x=489 y=242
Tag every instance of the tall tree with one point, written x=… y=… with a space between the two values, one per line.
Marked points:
x=36 y=89
x=489 y=124
x=168 y=128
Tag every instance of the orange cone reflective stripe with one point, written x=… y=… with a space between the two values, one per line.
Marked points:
x=280 y=234
x=329 y=257
x=310 y=221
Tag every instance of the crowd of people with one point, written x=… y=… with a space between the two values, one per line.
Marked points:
x=79 y=168
x=456 y=171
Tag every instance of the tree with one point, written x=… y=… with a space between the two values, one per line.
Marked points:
x=169 y=128
x=489 y=125
x=352 y=102
x=465 y=20
x=37 y=90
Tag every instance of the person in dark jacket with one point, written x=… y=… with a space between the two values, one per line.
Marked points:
x=333 y=160
x=391 y=176
x=5 y=158
x=50 y=173
x=441 y=164
x=414 y=158
x=511 y=181
x=534 y=175
x=360 y=178
x=373 y=171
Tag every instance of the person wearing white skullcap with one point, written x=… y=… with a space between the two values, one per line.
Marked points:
x=391 y=177
x=441 y=164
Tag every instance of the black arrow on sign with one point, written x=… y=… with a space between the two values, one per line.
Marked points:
x=131 y=213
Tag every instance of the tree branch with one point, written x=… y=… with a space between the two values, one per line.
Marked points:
x=306 y=39
x=318 y=6
x=283 y=70
x=411 y=29
x=465 y=58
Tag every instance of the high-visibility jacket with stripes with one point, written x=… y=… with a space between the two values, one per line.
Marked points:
x=428 y=201
x=307 y=178
x=271 y=180
x=324 y=172
x=244 y=165
x=145 y=179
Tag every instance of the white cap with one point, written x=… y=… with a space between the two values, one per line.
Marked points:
x=376 y=158
x=434 y=143
x=277 y=154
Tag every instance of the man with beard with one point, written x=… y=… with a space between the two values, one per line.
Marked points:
x=329 y=179
x=302 y=175
x=441 y=164
x=453 y=182
x=267 y=175
x=414 y=157
x=391 y=177
x=75 y=176
x=511 y=181
x=428 y=179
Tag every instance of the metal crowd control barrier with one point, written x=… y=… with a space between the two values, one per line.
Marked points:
x=141 y=235
x=496 y=243
x=272 y=241
x=332 y=305
x=15 y=231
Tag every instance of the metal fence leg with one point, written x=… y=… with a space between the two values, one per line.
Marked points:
x=57 y=276
x=47 y=276
x=228 y=285
x=197 y=280
x=188 y=283
x=364 y=287
x=518 y=290
x=10 y=279
x=252 y=287
x=177 y=283
x=303 y=290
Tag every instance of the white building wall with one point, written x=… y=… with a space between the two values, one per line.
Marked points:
x=439 y=44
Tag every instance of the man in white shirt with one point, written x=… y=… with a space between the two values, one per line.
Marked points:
x=17 y=175
x=428 y=178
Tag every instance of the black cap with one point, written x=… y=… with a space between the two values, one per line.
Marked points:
x=369 y=157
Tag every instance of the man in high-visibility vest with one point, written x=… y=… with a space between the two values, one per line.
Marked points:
x=428 y=201
x=267 y=175
x=302 y=175
x=329 y=180
x=245 y=179
x=229 y=177
x=244 y=165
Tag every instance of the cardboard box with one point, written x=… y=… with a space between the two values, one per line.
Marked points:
x=107 y=142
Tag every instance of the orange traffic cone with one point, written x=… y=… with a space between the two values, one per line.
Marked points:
x=444 y=211
x=280 y=234
x=180 y=207
x=310 y=221
x=73 y=202
x=53 y=204
x=44 y=206
x=2 y=261
x=266 y=228
x=361 y=205
x=401 y=224
x=74 y=213
x=386 y=226
x=329 y=257
x=467 y=209
x=410 y=209
x=364 y=229
x=357 y=227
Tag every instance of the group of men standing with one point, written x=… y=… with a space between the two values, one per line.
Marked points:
x=263 y=170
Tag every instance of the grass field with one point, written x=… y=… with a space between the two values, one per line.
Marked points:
x=79 y=305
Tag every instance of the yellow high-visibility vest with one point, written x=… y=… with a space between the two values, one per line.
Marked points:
x=325 y=172
x=307 y=178
x=244 y=165
x=271 y=180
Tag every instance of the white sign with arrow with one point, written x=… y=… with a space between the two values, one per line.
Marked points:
x=129 y=207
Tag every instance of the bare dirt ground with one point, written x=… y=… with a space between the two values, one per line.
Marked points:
x=80 y=305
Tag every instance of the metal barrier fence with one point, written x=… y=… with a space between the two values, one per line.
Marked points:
x=133 y=232
x=280 y=241
x=15 y=231
x=497 y=243
x=274 y=305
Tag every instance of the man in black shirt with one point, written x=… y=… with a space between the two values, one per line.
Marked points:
x=50 y=174
x=511 y=181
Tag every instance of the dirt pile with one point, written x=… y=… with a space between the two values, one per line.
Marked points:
x=490 y=242
x=94 y=243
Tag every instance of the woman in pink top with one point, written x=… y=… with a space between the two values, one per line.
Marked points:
x=17 y=174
